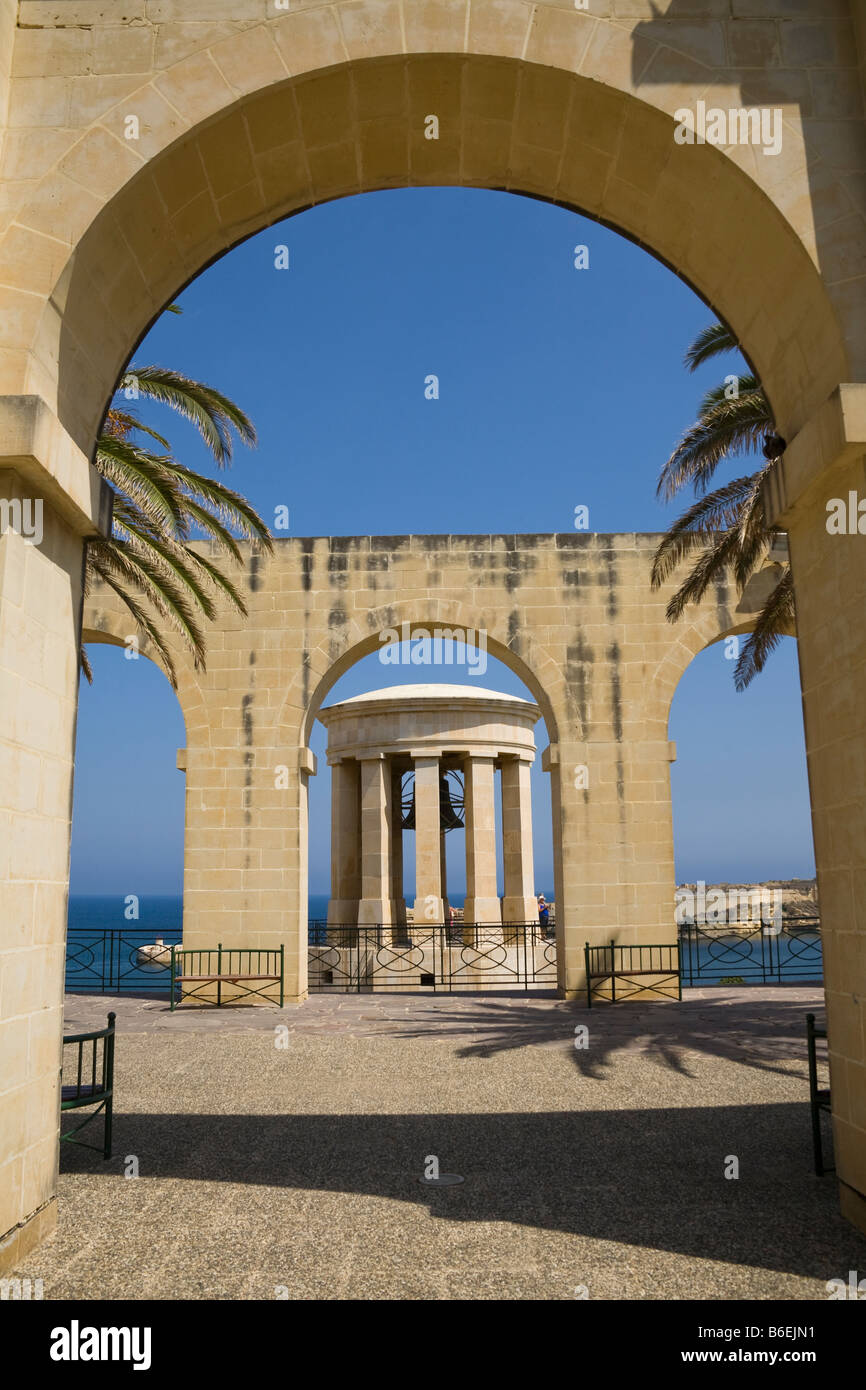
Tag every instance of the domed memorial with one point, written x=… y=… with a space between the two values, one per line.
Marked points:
x=425 y=758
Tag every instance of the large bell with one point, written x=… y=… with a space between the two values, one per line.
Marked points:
x=450 y=808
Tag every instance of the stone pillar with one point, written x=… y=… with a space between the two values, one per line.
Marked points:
x=429 y=905
x=443 y=874
x=398 y=901
x=345 y=843
x=482 y=900
x=50 y=500
x=823 y=472
x=376 y=887
x=519 y=903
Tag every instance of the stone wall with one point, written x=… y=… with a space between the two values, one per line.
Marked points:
x=572 y=615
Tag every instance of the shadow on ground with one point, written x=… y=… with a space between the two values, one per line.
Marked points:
x=756 y=1033
x=649 y=1178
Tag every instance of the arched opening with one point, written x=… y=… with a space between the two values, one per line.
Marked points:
x=747 y=902
x=128 y=814
x=491 y=847
x=478 y=928
x=597 y=694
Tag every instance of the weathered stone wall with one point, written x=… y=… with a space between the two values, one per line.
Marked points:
x=572 y=615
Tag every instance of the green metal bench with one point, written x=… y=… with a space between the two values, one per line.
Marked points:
x=238 y=966
x=819 y=1096
x=628 y=964
x=93 y=1085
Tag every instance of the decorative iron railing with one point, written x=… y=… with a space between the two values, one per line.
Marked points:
x=445 y=958
x=746 y=955
x=112 y=960
x=450 y=957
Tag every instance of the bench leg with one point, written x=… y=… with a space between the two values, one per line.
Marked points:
x=817 y=1148
x=109 y=1116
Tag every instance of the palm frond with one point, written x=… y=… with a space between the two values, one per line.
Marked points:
x=158 y=501
x=214 y=529
x=212 y=413
x=143 y=477
x=174 y=560
x=130 y=564
x=142 y=618
x=747 y=384
x=729 y=427
x=121 y=423
x=712 y=566
x=218 y=579
x=777 y=613
x=715 y=511
x=710 y=342
x=231 y=507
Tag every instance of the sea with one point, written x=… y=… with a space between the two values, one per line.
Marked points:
x=161 y=914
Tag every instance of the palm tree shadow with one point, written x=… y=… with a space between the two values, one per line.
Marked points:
x=766 y=1035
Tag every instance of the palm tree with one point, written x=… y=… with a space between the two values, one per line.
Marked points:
x=159 y=502
x=727 y=526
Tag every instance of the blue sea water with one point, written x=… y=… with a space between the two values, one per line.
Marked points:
x=161 y=914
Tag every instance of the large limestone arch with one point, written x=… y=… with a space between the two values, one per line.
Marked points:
x=243 y=117
x=338 y=99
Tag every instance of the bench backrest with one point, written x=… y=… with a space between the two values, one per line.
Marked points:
x=226 y=960
x=94 y=1065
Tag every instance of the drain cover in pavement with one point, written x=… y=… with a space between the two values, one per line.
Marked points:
x=443 y=1180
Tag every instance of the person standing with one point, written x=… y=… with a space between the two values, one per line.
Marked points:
x=543 y=914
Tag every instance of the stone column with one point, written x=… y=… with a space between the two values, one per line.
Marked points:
x=375 y=903
x=443 y=873
x=482 y=900
x=398 y=901
x=345 y=843
x=519 y=903
x=50 y=500
x=823 y=472
x=429 y=905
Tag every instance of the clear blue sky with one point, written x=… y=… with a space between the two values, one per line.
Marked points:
x=558 y=387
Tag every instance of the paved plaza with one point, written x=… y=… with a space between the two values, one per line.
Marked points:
x=279 y=1153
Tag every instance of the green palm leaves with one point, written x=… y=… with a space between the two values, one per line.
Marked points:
x=159 y=504
x=725 y=529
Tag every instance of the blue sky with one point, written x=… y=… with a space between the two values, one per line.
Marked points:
x=557 y=387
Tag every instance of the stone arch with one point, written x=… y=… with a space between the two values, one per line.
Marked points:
x=707 y=627
x=537 y=670
x=106 y=621
x=308 y=107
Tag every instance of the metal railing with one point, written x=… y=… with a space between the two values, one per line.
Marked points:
x=443 y=957
x=109 y=960
x=724 y=954
x=452 y=956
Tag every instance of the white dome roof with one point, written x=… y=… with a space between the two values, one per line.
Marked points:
x=436 y=692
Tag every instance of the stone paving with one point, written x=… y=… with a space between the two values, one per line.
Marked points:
x=279 y=1153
